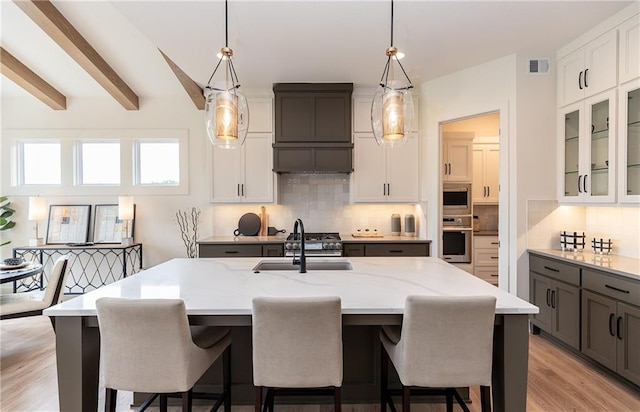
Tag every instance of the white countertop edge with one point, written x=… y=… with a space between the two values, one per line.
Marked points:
x=618 y=265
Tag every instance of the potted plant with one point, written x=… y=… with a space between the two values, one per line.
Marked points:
x=6 y=213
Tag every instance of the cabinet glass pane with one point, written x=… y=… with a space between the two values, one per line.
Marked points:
x=633 y=142
x=599 y=149
x=571 y=134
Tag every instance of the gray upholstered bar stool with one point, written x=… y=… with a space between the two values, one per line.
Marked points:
x=146 y=345
x=297 y=343
x=444 y=343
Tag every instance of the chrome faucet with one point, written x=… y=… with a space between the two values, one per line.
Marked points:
x=302 y=261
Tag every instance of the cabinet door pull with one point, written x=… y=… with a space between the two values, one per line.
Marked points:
x=238 y=189
x=548 y=298
x=488 y=191
x=243 y=190
x=585 y=78
x=584 y=181
x=580 y=80
x=579 y=183
x=388 y=189
x=615 y=288
x=449 y=169
x=552 y=269
x=553 y=299
x=619 y=327
x=611 y=317
x=445 y=169
x=384 y=189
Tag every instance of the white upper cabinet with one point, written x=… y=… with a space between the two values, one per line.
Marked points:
x=384 y=175
x=629 y=64
x=260 y=114
x=486 y=161
x=589 y=70
x=629 y=143
x=457 y=157
x=244 y=174
x=362 y=114
x=587 y=158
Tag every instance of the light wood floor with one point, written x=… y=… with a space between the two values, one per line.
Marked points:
x=558 y=381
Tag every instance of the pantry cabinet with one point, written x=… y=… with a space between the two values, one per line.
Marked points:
x=629 y=143
x=555 y=288
x=243 y=174
x=486 y=161
x=457 y=156
x=587 y=154
x=589 y=70
x=485 y=258
x=384 y=174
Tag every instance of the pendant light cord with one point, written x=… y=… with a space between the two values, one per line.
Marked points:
x=226 y=24
x=231 y=69
x=391 y=23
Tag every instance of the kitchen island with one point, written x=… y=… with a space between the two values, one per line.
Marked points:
x=219 y=292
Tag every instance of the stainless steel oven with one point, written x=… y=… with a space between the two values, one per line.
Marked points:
x=456 y=239
x=456 y=199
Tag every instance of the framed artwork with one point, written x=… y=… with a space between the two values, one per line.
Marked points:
x=107 y=227
x=68 y=224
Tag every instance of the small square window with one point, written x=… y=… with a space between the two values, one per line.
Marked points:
x=41 y=163
x=99 y=163
x=158 y=163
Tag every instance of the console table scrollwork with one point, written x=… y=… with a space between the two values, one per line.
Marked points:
x=90 y=266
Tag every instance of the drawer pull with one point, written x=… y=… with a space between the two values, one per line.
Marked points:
x=619 y=328
x=495 y=243
x=611 y=317
x=494 y=257
x=495 y=276
x=616 y=289
x=230 y=252
x=395 y=251
x=552 y=269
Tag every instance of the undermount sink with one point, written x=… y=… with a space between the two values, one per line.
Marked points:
x=311 y=265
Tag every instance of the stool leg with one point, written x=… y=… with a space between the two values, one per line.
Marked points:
x=163 y=402
x=187 y=400
x=110 y=400
x=226 y=378
x=337 y=399
x=449 y=397
x=271 y=398
x=257 y=398
x=485 y=398
x=384 y=371
x=406 y=399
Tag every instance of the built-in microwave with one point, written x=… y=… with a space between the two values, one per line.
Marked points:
x=456 y=199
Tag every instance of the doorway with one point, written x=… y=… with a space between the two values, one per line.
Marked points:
x=470 y=148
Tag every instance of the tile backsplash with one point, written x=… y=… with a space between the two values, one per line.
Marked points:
x=621 y=224
x=322 y=202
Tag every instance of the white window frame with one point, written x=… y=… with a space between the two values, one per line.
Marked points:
x=18 y=162
x=78 y=162
x=137 y=168
x=10 y=161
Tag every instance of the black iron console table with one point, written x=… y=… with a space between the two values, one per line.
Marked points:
x=90 y=266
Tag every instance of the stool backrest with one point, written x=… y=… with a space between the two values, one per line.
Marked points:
x=448 y=341
x=297 y=342
x=57 y=281
x=144 y=343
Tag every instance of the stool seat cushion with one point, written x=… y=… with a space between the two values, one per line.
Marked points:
x=22 y=302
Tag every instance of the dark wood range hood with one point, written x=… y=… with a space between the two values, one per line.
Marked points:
x=313 y=128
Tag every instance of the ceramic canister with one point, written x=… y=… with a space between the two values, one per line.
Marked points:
x=395 y=225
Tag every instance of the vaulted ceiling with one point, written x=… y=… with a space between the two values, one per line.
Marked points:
x=115 y=48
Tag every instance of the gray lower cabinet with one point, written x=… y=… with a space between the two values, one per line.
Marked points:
x=555 y=288
x=386 y=249
x=236 y=250
x=611 y=323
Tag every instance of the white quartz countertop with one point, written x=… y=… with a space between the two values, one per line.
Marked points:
x=347 y=238
x=619 y=265
x=375 y=285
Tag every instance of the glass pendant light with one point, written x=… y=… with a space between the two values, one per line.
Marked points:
x=226 y=108
x=392 y=106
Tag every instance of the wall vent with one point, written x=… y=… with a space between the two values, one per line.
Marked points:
x=539 y=66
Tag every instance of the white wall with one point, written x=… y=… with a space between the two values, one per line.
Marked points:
x=481 y=89
x=155 y=224
x=527 y=146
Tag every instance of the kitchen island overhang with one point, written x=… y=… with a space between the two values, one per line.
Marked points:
x=219 y=292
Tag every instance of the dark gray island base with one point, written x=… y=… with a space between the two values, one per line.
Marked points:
x=78 y=351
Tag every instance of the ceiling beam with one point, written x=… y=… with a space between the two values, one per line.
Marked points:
x=24 y=77
x=193 y=90
x=45 y=15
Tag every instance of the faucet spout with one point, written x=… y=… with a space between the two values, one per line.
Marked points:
x=302 y=261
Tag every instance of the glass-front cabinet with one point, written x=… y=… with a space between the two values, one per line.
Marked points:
x=629 y=143
x=588 y=150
